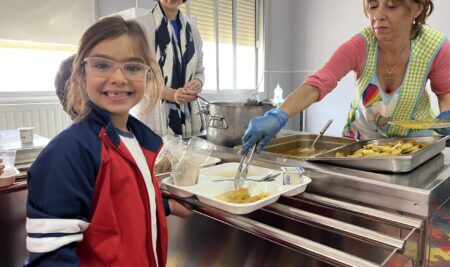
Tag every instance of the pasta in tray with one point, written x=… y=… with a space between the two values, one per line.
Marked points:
x=241 y=196
x=391 y=149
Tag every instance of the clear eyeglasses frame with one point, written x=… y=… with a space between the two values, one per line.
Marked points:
x=103 y=67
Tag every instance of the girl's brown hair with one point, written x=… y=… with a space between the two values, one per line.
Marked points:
x=419 y=21
x=111 y=27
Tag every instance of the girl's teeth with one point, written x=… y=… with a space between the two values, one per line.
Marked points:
x=117 y=94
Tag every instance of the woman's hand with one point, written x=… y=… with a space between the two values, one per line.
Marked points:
x=263 y=129
x=445 y=115
x=184 y=95
x=178 y=209
x=194 y=85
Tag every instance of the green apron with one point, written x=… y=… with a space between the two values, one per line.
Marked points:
x=413 y=100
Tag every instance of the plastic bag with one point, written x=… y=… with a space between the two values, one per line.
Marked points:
x=199 y=149
x=181 y=156
x=170 y=147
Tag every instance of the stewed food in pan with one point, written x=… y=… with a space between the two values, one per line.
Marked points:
x=389 y=149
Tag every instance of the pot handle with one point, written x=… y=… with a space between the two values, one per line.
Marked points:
x=214 y=118
x=201 y=110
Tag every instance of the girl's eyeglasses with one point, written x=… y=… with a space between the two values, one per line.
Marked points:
x=103 y=67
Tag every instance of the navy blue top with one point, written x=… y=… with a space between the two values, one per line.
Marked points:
x=176 y=27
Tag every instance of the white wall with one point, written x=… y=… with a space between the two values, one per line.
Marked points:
x=320 y=26
x=330 y=23
x=46 y=21
x=278 y=45
x=107 y=7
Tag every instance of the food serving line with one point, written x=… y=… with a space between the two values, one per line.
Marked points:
x=346 y=217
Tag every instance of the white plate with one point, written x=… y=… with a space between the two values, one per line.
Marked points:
x=228 y=170
x=8 y=177
x=206 y=192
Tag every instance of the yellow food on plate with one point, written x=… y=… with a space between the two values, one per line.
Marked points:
x=241 y=196
x=390 y=149
x=232 y=173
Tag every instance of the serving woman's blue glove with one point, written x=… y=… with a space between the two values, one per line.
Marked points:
x=445 y=115
x=263 y=129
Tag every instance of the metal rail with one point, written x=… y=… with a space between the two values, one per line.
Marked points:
x=394 y=219
x=347 y=229
x=275 y=235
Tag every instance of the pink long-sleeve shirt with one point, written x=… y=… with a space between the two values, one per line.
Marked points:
x=351 y=56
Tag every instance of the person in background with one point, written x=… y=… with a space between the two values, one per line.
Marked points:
x=93 y=199
x=61 y=79
x=393 y=59
x=2 y=166
x=178 y=48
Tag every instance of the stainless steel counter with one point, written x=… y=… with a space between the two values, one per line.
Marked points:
x=415 y=192
x=346 y=218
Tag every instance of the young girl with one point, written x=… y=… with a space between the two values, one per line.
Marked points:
x=93 y=199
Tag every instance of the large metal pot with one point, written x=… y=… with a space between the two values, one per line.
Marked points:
x=227 y=121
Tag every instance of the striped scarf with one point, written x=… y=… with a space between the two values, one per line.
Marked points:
x=178 y=61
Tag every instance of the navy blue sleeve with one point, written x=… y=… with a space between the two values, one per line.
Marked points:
x=60 y=188
x=63 y=257
x=166 y=206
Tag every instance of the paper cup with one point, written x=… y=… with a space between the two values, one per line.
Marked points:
x=185 y=173
x=26 y=135
x=292 y=175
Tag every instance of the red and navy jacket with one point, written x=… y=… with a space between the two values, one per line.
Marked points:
x=87 y=200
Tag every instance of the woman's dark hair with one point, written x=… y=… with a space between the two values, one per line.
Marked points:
x=418 y=23
x=184 y=1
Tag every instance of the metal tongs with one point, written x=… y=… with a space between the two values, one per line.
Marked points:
x=242 y=170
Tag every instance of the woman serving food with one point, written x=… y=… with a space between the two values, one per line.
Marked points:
x=393 y=59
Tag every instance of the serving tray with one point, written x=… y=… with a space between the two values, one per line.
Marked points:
x=206 y=191
x=421 y=124
x=395 y=164
x=290 y=146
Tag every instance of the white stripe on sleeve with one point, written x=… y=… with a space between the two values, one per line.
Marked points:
x=51 y=226
x=48 y=244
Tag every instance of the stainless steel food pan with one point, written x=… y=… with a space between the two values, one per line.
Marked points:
x=396 y=164
x=289 y=146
